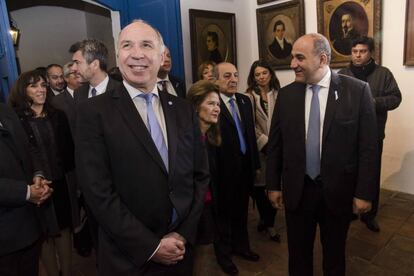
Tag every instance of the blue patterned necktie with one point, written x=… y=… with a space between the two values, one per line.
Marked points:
x=238 y=125
x=313 y=157
x=93 y=92
x=154 y=129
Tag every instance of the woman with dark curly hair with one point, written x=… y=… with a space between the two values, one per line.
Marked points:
x=48 y=131
x=263 y=86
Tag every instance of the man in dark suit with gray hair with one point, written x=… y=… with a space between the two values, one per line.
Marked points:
x=142 y=165
x=322 y=154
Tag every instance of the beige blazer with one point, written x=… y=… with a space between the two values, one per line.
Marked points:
x=262 y=121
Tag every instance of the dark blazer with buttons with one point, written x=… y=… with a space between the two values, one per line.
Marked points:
x=125 y=182
x=229 y=159
x=349 y=144
x=179 y=86
x=19 y=224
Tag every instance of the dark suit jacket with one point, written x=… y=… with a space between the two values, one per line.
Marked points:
x=229 y=158
x=278 y=52
x=65 y=102
x=82 y=92
x=19 y=224
x=125 y=182
x=349 y=145
x=179 y=86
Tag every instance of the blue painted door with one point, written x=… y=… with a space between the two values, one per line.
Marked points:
x=8 y=67
x=165 y=15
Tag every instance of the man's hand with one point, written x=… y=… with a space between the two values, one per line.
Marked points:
x=177 y=236
x=361 y=206
x=171 y=250
x=40 y=190
x=276 y=199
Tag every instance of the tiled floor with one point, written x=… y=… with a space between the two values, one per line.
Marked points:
x=388 y=253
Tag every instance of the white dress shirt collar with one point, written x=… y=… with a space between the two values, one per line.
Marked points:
x=133 y=92
x=100 y=88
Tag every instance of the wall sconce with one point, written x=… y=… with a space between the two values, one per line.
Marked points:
x=15 y=33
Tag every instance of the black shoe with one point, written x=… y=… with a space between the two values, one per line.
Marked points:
x=372 y=225
x=229 y=268
x=248 y=255
x=275 y=238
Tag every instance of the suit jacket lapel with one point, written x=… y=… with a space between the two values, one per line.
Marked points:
x=170 y=115
x=241 y=104
x=226 y=113
x=331 y=105
x=125 y=105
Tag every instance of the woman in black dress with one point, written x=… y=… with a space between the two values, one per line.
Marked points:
x=48 y=131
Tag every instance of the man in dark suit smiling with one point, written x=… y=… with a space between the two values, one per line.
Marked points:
x=321 y=155
x=141 y=165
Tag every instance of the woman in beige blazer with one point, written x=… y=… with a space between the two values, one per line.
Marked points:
x=263 y=86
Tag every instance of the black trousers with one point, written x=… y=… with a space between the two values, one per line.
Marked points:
x=24 y=262
x=266 y=211
x=231 y=221
x=374 y=209
x=301 y=230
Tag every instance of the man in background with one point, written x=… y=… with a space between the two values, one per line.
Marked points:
x=55 y=80
x=237 y=162
x=387 y=96
x=168 y=83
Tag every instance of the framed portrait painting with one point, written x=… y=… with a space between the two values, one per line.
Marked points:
x=409 y=34
x=260 y=2
x=342 y=21
x=278 y=26
x=213 y=38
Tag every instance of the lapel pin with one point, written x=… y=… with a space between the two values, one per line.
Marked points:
x=242 y=101
x=336 y=95
x=169 y=102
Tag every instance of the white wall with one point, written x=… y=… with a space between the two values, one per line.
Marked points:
x=398 y=155
x=47 y=32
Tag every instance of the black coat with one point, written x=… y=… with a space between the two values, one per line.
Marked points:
x=229 y=158
x=19 y=223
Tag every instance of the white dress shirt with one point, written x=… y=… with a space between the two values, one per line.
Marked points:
x=168 y=85
x=70 y=91
x=324 y=83
x=100 y=88
x=141 y=106
x=226 y=100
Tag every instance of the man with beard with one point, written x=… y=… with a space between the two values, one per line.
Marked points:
x=55 y=80
x=348 y=32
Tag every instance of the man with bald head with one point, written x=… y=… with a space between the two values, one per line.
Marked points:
x=142 y=165
x=321 y=156
x=237 y=162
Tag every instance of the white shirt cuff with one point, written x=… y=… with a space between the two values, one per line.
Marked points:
x=158 y=247
x=28 y=193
